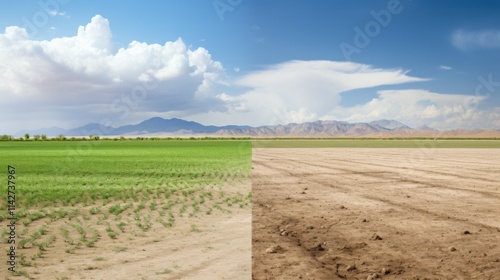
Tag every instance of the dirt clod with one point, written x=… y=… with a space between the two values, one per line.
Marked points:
x=452 y=249
x=467 y=232
x=318 y=247
x=273 y=249
x=375 y=236
x=351 y=267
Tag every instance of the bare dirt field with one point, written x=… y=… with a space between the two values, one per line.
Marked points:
x=347 y=213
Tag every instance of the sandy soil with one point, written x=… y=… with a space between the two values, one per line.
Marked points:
x=376 y=213
x=217 y=247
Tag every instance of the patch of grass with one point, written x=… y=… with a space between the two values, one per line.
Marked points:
x=120 y=249
x=194 y=228
x=20 y=272
x=165 y=271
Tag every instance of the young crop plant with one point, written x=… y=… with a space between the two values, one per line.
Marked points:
x=22 y=261
x=110 y=232
x=182 y=209
x=20 y=272
x=80 y=230
x=23 y=242
x=140 y=206
x=93 y=239
x=153 y=205
x=95 y=210
x=73 y=213
x=71 y=249
x=145 y=224
x=121 y=226
x=194 y=228
x=65 y=234
x=168 y=205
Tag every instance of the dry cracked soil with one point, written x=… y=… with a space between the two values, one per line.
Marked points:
x=338 y=213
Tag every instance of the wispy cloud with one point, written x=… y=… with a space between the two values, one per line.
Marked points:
x=444 y=67
x=467 y=40
x=301 y=91
x=56 y=13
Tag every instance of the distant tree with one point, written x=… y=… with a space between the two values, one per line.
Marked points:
x=122 y=138
x=6 y=137
x=61 y=137
x=36 y=137
x=44 y=137
x=96 y=137
x=27 y=136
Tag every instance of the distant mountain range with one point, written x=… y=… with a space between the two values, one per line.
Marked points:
x=323 y=128
x=175 y=127
x=155 y=125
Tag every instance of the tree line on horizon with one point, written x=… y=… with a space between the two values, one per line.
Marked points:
x=61 y=137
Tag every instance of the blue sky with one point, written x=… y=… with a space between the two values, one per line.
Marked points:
x=68 y=62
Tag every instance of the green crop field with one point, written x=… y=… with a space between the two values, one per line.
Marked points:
x=78 y=193
x=376 y=143
x=69 y=172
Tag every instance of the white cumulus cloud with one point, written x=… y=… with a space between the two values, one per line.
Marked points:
x=83 y=77
x=417 y=107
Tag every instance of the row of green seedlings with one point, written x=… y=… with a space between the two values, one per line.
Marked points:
x=35 y=240
x=31 y=216
x=26 y=217
x=165 y=210
x=117 y=209
x=68 y=197
x=72 y=197
x=145 y=223
x=85 y=239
